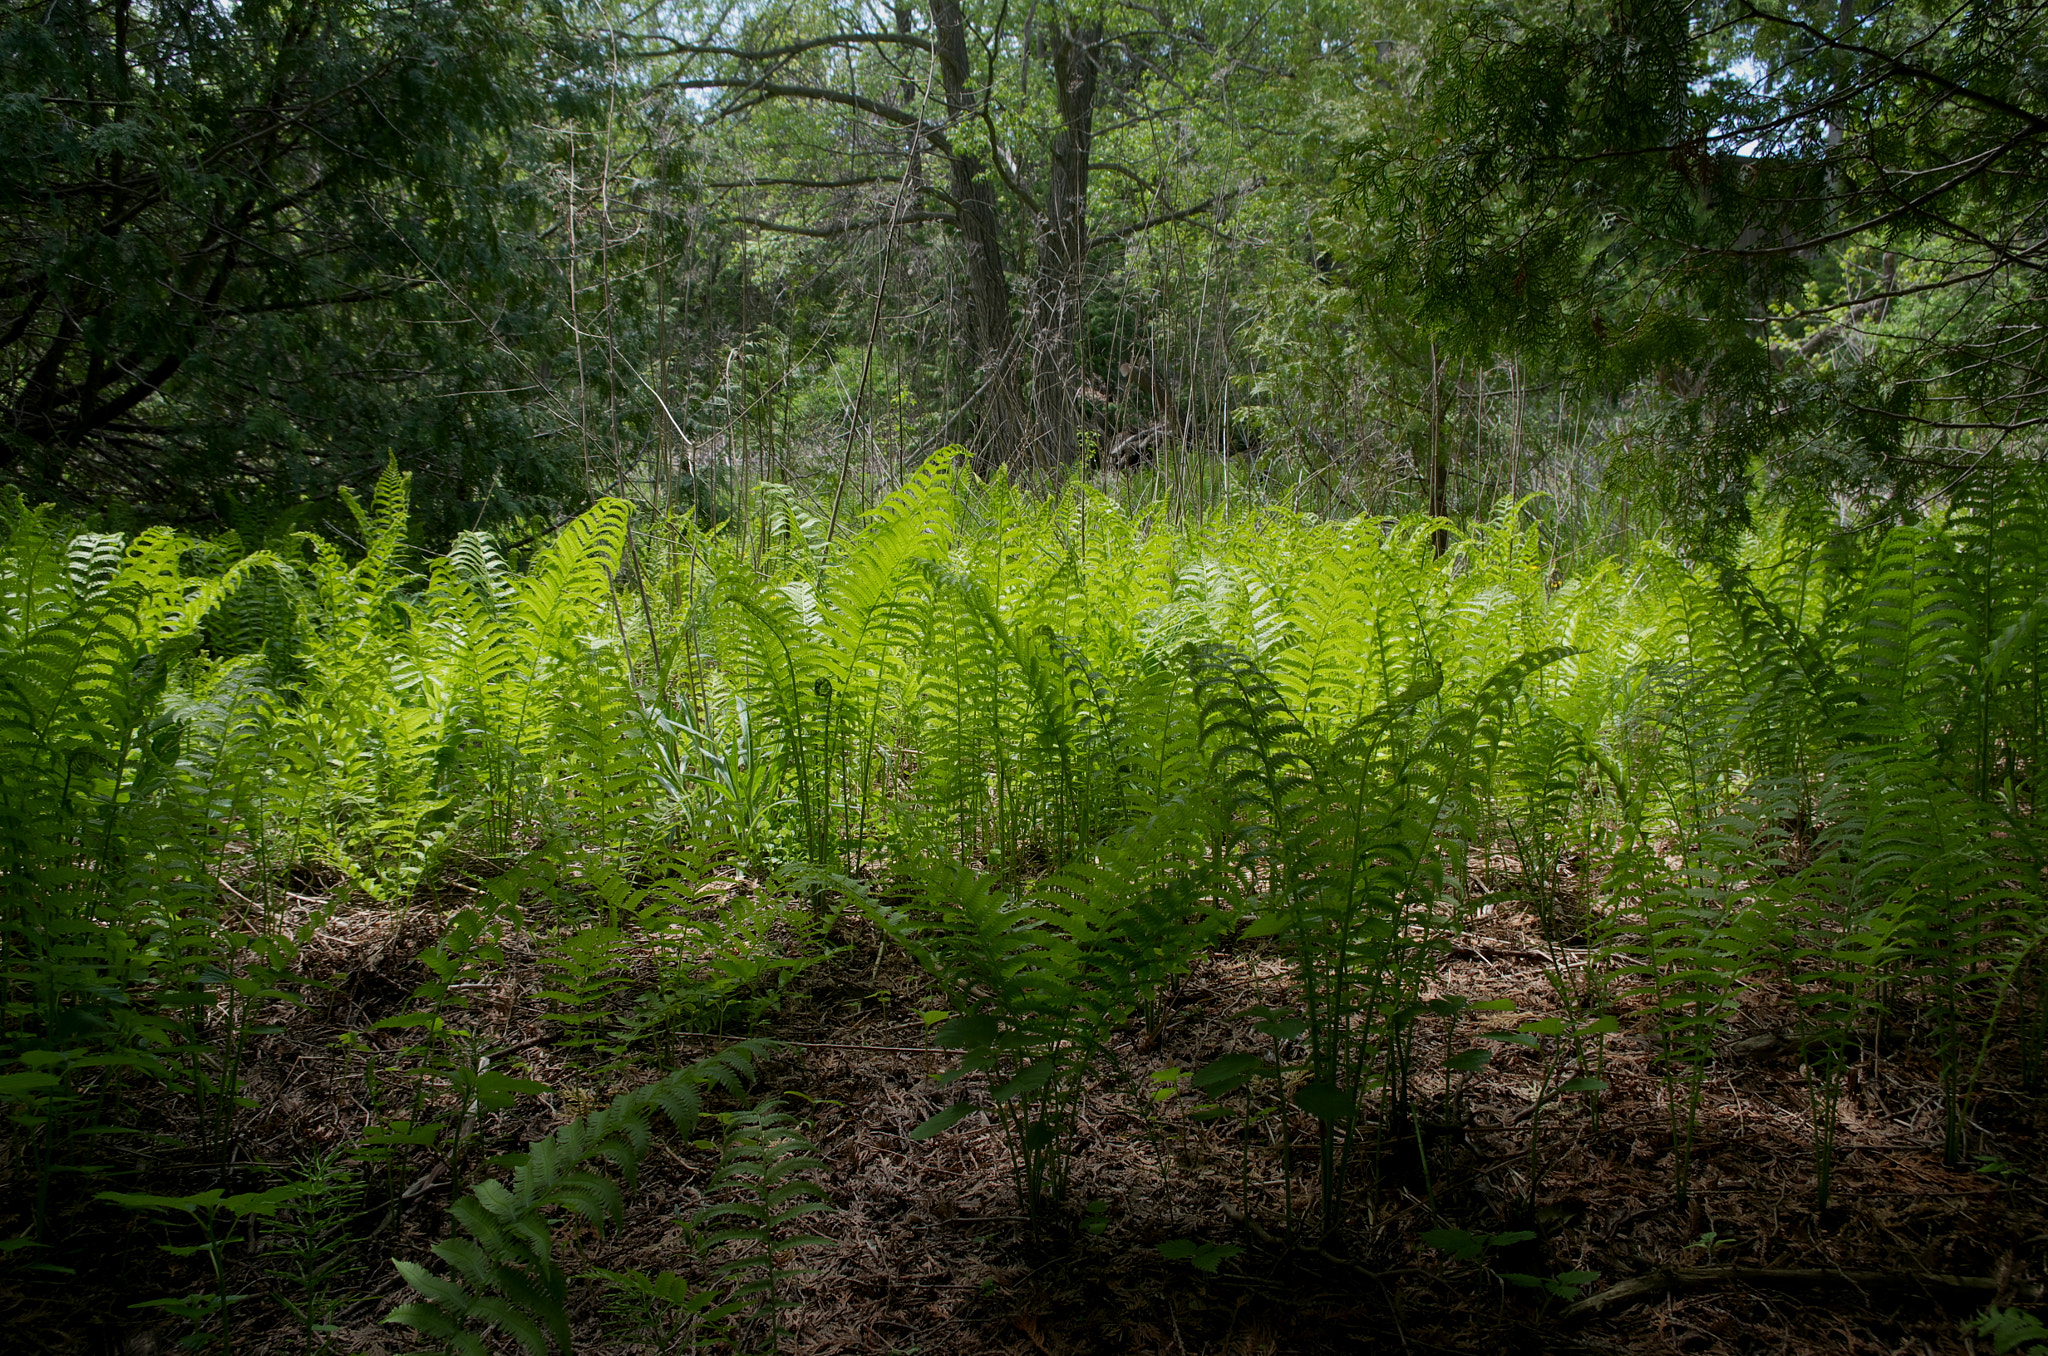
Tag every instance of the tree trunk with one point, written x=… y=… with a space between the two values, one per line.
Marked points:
x=1439 y=467
x=1059 y=291
x=991 y=338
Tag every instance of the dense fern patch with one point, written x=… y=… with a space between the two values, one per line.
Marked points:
x=1174 y=834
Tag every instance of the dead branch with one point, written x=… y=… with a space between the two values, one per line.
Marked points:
x=1658 y=1282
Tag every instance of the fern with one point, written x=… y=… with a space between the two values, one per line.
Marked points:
x=505 y=1272
x=1340 y=852
x=762 y=1173
x=1039 y=984
x=1703 y=930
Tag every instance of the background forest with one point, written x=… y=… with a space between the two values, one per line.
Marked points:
x=1022 y=676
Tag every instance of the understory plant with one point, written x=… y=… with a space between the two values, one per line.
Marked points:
x=1338 y=851
x=506 y=1272
x=1058 y=748
x=764 y=1187
x=1040 y=981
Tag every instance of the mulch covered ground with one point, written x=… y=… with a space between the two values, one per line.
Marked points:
x=930 y=1253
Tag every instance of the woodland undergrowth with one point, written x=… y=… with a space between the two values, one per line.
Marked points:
x=1060 y=755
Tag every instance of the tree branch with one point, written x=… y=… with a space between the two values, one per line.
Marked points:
x=854 y=182
x=1625 y=1293
x=1208 y=204
x=767 y=54
x=875 y=107
x=839 y=228
x=1899 y=66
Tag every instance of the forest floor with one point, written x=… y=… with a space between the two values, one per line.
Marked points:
x=930 y=1254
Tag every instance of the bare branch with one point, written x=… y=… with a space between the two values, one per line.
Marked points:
x=767 y=89
x=670 y=47
x=855 y=182
x=1208 y=204
x=836 y=229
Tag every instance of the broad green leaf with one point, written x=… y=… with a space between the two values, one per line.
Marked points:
x=1457 y=1242
x=968 y=1031
x=944 y=1121
x=1229 y=1073
x=1326 y=1102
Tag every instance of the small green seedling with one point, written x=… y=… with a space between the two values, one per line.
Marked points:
x=664 y=1307
x=1470 y=1247
x=1277 y=1026
x=1204 y=1257
x=1095 y=1219
x=1708 y=1242
x=1566 y=1285
x=1469 y=1061
x=1228 y=1074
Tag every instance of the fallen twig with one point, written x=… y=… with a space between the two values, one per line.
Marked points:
x=515 y=1047
x=1625 y=1293
x=832 y=1045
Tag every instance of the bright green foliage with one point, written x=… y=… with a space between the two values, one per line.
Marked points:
x=482 y=694
x=823 y=658
x=1862 y=713
x=1348 y=715
x=104 y=808
x=1058 y=750
x=1342 y=852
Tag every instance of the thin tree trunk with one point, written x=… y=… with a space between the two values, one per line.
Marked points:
x=1439 y=468
x=1063 y=250
x=991 y=341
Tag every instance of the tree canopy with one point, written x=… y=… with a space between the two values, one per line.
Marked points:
x=252 y=250
x=1381 y=256
x=1813 y=229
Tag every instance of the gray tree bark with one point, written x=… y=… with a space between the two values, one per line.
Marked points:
x=1060 y=286
x=1005 y=421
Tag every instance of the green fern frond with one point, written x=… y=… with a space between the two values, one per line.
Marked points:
x=508 y=1256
